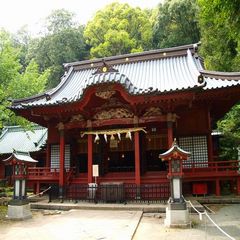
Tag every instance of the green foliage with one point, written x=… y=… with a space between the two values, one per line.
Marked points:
x=63 y=42
x=119 y=29
x=176 y=24
x=230 y=127
x=59 y=20
x=15 y=82
x=220 y=31
x=9 y=64
x=29 y=83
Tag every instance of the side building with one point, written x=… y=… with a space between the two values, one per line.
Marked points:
x=15 y=138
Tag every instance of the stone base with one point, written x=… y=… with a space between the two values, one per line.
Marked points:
x=19 y=212
x=177 y=218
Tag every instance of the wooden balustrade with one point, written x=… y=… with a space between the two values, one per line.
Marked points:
x=47 y=173
x=193 y=170
x=215 y=167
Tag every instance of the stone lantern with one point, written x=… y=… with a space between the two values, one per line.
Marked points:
x=176 y=212
x=19 y=207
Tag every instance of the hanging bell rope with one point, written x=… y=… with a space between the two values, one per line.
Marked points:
x=112 y=132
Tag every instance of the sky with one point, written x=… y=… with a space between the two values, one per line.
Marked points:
x=16 y=13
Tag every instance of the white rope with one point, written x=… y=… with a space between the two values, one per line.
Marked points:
x=113 y=131
x=205 y=213
x=41 y=193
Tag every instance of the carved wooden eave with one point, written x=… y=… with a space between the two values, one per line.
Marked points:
x=152 y=111
x=77 y=118
x=114 y=113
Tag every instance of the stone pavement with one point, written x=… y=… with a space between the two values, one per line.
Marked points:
x=79 y=224
x=75 y=225
x=226 y=216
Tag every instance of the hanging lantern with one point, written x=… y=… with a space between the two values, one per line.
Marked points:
x=96 y=138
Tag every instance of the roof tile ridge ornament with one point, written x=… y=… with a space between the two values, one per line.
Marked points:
x=104 y=68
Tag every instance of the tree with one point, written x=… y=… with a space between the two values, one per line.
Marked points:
x=15 y=80
x=220 y=30
x=119 y=29
x=30 y=82
x=63 y=42
x=59 y=20
x=176 y=24
x=9 y=63
x=21 y=42
x=230 y=127
x=9 y=70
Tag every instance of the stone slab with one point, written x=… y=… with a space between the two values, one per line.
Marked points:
x=177 y=218
x=19 y=212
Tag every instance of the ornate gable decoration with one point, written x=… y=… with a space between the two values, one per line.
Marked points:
x=105 y=68
x=152 y=111
x=76 y=118
x=105 y=94
x=114 y=113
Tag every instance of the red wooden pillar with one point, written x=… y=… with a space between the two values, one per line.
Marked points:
x=137 y=158
x=62 y=164
x=90 y=158
x=238 y=186
x=218 y=191
x=170 y=134
x=209 y=140
x=48 y=151
x=48 y=155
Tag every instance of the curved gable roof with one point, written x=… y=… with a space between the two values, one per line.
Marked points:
x=158 y=71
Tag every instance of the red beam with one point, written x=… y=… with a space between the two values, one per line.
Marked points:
x=62 y=159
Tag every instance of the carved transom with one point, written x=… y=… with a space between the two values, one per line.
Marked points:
x=152 y=111
x=76 y=118
x=105 y=94
x=113 y=114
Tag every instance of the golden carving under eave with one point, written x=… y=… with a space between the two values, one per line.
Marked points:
x=60 y=126
x=76 y=118
x=114 y=113
x=105 y=94
x=152 y=111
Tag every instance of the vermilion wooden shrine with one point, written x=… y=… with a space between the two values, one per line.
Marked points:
x=121 y=112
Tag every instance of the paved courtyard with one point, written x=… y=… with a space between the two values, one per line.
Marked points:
x=111 y=224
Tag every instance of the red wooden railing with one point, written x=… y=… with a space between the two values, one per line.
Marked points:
x=231 y=167
x=193 y=170
x=47 y=173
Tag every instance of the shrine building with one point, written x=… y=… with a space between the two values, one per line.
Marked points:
x=119 y=113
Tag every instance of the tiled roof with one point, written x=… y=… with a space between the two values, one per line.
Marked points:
x=158 y=71
x=16 y=138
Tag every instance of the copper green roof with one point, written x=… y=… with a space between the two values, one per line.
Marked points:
x=16 y=138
